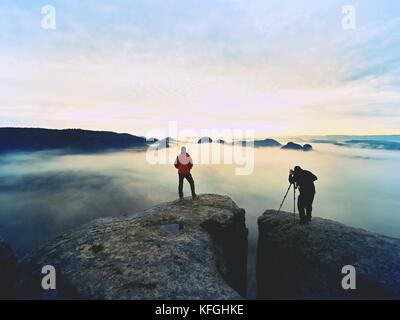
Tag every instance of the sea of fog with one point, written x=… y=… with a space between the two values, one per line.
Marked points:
x=43 y=194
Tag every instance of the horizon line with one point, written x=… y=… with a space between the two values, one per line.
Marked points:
x=266 y=136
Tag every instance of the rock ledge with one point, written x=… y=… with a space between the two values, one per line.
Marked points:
x=305 y=262
x=177 y=250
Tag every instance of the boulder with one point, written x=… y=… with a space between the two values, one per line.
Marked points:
x=176 y=250
x=305 y=261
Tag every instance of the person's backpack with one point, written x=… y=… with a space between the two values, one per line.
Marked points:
x=177 y=164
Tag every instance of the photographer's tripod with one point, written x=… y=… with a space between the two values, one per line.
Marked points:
x=294 y=200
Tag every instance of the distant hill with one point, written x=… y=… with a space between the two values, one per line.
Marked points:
x=327 y=142
x=292 y=146
x=34 y=139
x=295 y=146
x=389 y=144
x=392 y=137
x=164 y=143
x=205 y=140
x=266 y=143
x=260 y=143
x=375 y=144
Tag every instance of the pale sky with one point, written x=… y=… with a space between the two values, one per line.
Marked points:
x=278 y=67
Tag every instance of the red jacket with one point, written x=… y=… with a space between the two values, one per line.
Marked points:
x=184 y=163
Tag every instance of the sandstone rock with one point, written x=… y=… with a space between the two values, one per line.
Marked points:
x=305 y=262
x=267 y=143
x=8 y=272
x=205 y=140
x=292 y=146
x=178 y=250
x=296 y=146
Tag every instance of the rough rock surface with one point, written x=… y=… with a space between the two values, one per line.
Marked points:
x=305 y=261
x=178 y=250
x=8 y=272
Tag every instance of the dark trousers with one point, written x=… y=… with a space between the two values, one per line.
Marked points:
x=189 y=178
x=304 y=204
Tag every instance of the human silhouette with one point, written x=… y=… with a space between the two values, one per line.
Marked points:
x=184 y=164
x=304 y=180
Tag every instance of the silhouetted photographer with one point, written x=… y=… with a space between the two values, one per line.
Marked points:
x=304 y=181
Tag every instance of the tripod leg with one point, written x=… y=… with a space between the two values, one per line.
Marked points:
x=294 y=204
x=287 y=191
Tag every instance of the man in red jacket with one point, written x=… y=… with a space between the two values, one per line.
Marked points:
x=184 y=163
